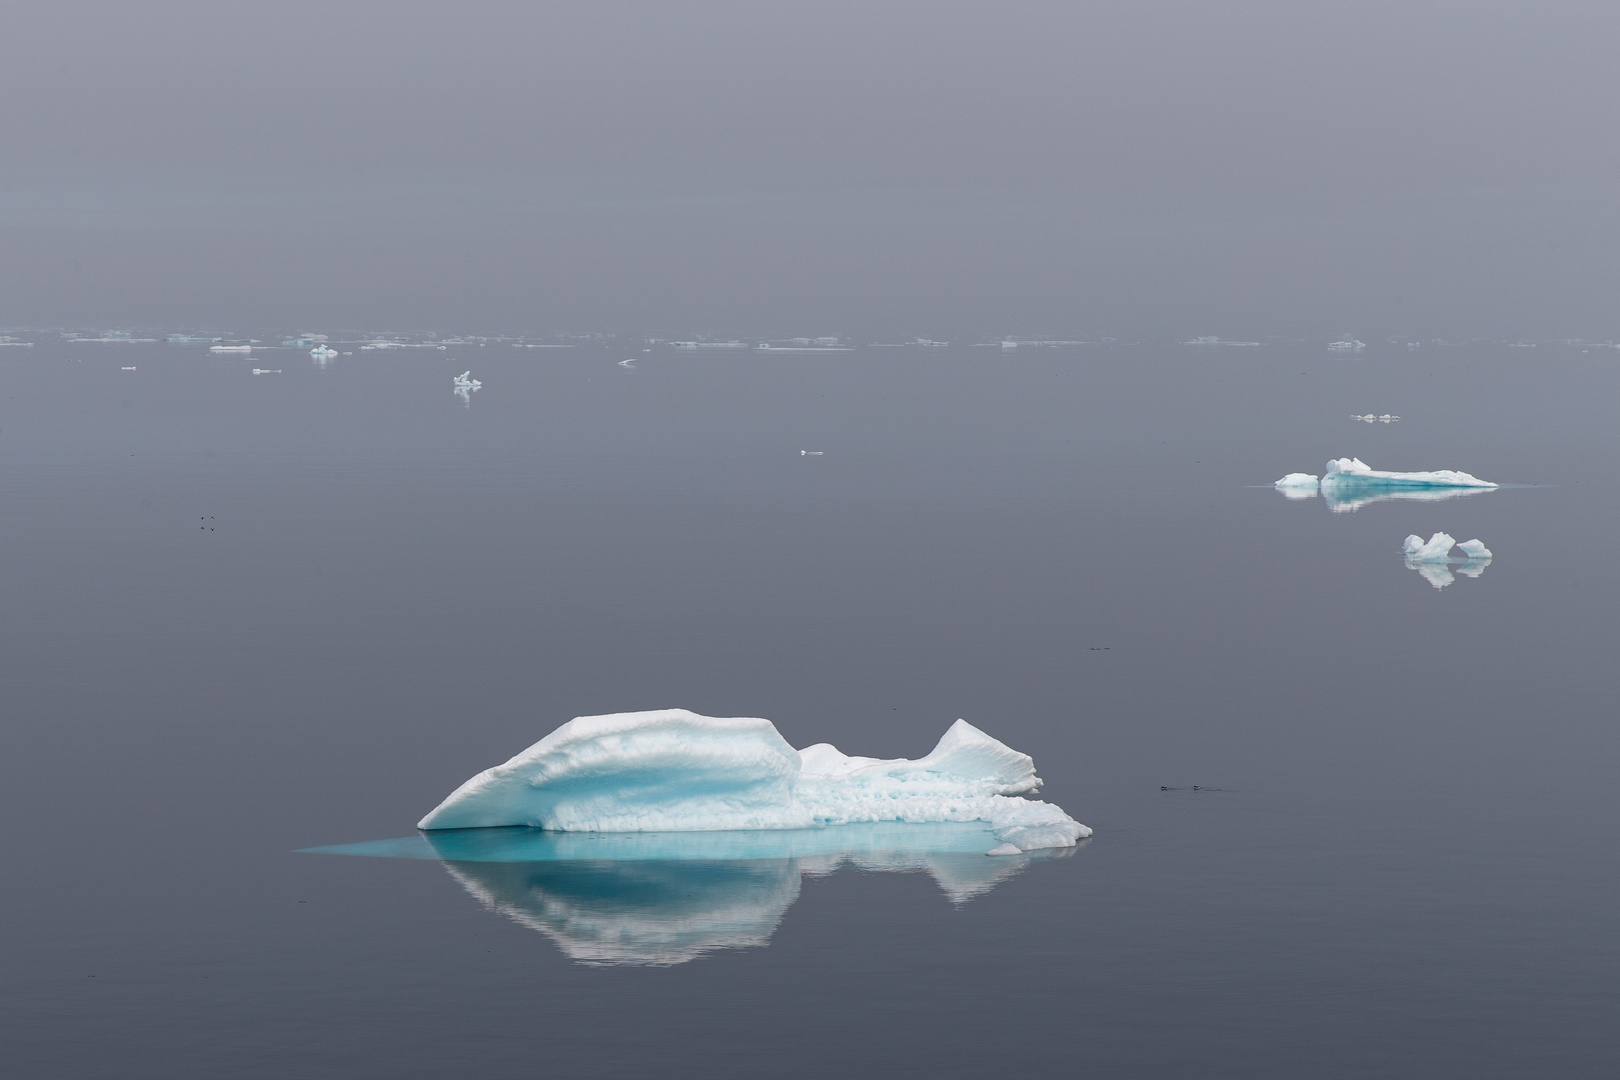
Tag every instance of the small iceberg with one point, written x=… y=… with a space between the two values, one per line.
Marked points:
x=1297 y=485
x=1436 y=549
x=1433 y=560
x=323 y=352
x=1353 y=472
x=1350 y=483
x=674 y=771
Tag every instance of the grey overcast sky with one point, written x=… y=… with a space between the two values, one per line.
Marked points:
x=882 y=166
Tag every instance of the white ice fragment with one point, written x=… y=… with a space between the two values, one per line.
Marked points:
x=1006 y=849
x=1437 y=549
x=1474 y=549
x=1297 y=485
x=676 y=771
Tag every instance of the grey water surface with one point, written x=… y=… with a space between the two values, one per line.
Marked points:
x=252 y=614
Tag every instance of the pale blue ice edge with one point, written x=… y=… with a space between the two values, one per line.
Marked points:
x=520 y=844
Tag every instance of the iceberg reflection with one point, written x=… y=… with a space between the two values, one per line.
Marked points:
x=658 y=899
x=1346 y=502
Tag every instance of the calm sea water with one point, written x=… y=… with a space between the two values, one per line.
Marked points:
x=247 y=615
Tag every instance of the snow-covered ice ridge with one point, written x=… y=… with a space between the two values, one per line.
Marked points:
x=1345 y=473
x=672 y=770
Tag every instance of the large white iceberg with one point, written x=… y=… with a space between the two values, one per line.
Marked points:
x=1350 y=483
x=672 y=770
x=1353 y=472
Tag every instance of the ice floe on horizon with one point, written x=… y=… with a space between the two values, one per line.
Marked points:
x=672 y=770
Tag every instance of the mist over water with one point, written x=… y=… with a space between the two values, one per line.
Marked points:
x=885 y=168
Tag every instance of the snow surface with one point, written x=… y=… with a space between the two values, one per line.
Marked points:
x=672 y=770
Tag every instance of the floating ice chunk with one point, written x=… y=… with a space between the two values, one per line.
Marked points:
x=1436 y=549
x=1297 y=485
x=675 y=771
x=1432 y=559
x=1353 y=472
x=1006 y=849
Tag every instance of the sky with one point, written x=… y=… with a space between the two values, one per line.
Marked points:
x=878 y=167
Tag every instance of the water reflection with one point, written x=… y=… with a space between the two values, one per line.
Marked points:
x=658 y=899
x=1346 y=502
x=1439 y=573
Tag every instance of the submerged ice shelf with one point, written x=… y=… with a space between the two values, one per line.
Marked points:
x=674 y=771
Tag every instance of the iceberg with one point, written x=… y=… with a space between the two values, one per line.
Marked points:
x=1432 y=558
x=1353 y=472
x=1302 y=482
x=1350 y=483
x=674 y=771
x=1436 y=549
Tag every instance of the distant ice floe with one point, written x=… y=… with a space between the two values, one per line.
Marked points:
x=1350 y=483
x=323 y=352
x=465 y=386
x=672 y=770
x=660 y=899
x=1374 y=418
x=1432 y=558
